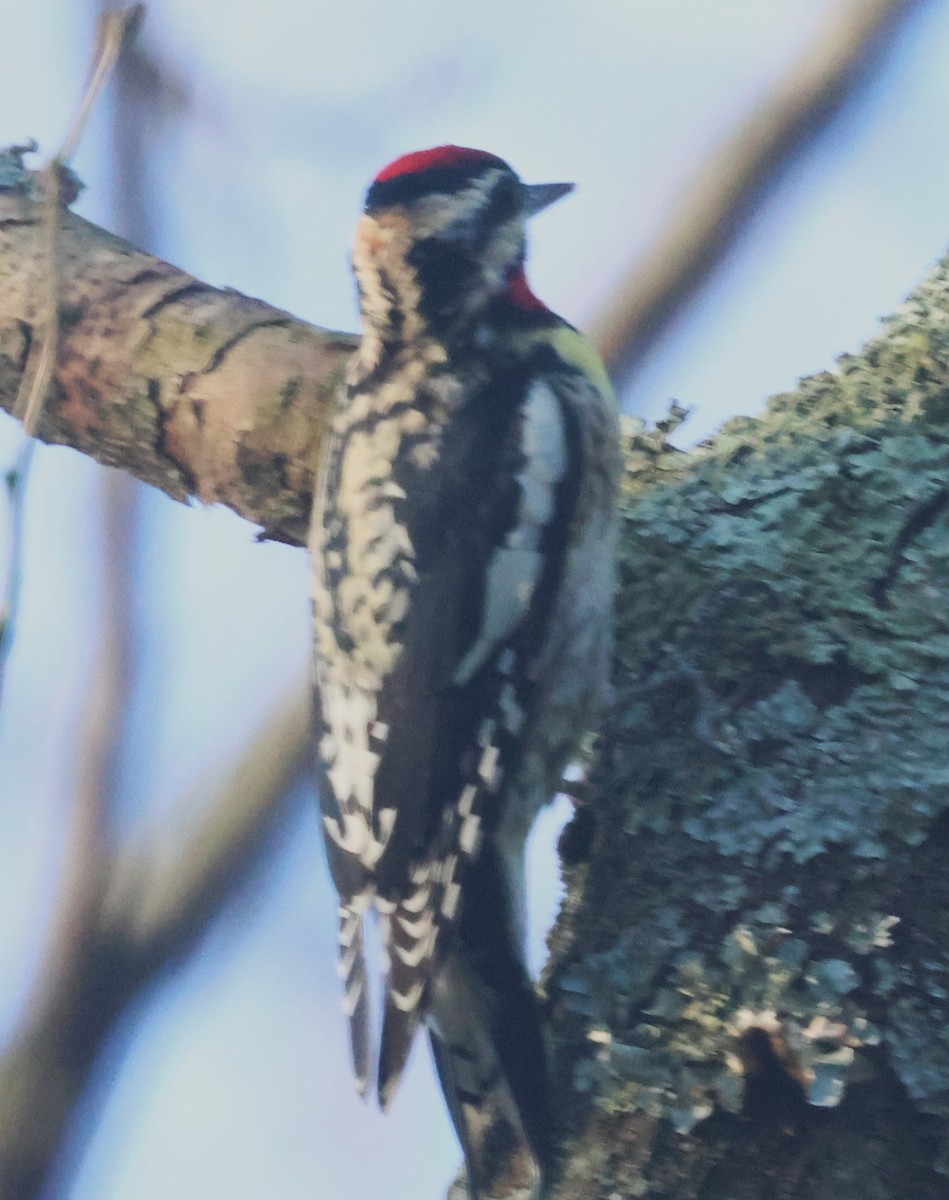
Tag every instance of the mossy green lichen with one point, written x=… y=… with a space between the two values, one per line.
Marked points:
x=778 y=754
x=680 y=1058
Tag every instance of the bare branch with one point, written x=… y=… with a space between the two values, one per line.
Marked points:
x=202 y=392
x=15 y=486
x=87 y=868
x=731 y=185
x=160 y=902
x=163 y=895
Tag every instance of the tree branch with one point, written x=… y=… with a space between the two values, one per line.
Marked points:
x=208 y=394
x=727 y=190
x=202 y=392
x=159 y=902
x=750 y=980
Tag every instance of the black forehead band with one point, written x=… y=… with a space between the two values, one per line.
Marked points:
x=413 y=186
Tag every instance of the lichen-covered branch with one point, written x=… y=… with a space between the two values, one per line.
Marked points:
x=751 y=978
x=200 y=391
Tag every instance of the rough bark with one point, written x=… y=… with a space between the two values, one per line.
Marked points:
x=200 y=391
x=750 y=981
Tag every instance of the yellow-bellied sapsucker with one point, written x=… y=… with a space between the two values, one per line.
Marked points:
x=463 y=544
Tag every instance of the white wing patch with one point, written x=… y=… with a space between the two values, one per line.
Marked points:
x=511 y=577
x=515 y=567
x=545 y=447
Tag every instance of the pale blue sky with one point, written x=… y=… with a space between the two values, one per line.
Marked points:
x=235 y=1082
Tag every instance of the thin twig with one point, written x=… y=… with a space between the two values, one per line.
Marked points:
x=87 y=865
x=731 y=184
x=15 y=481
x=163 y=895
x=112 y=31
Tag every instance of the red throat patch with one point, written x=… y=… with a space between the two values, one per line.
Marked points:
x=519 y=291
x=438 y=156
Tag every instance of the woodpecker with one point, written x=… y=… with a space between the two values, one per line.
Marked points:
x=463 y=548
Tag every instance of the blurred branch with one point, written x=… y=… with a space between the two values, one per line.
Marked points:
x=158 y=903
x=162 y=896
x=15 y=486
x=731 y=185
x=45 y=1066
x=101 y=737
x=121 y=918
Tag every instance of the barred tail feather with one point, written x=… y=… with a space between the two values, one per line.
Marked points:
x=352 y=971
x=487 y=1041
x=469 y=1114
x=409 y=934
x=398 y=1033
x=490 y=1059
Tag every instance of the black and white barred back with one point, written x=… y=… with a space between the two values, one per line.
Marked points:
x=463 y=547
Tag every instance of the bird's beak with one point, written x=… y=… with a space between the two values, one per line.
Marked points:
x=538 y=195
